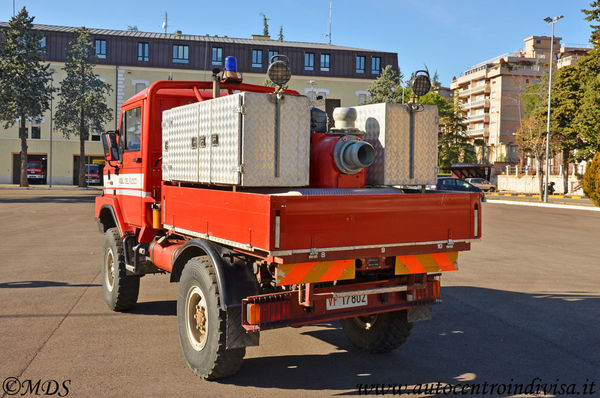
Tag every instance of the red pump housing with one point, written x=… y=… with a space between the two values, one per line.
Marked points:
x=324 y=173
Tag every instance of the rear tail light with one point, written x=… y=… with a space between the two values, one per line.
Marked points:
x=267 y=312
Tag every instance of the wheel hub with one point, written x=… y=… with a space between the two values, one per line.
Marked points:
x=110 y=269
x=196 y=318
x=200 y=317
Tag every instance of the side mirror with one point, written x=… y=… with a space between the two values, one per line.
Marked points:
x=111 y=146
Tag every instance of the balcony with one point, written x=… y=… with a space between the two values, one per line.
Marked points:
x=483 y=88
x=475 y=132
x=481 y=117
x=480 y=89
x=476 y=104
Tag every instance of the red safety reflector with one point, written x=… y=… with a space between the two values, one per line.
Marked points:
x=253 y=314
x=262 y=313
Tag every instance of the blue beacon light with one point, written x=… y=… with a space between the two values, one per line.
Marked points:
x=230 y=64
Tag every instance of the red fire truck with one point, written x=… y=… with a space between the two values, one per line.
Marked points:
x=269 y=218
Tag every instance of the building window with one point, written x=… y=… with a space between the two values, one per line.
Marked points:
x=309 y=61
x=143 y=52
x=325 y=59
x=96 y=135
x=43 y=44
x=256 y=58
x=139 y=87
x=376 y=65
x=101 y=49
x=217 y=56
x=272 y=53
x=360 y=64
x=35 y=132
x=180 y=54
x=538 y=41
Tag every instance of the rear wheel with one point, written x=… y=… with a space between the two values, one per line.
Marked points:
x=377 y=333
x=202 y=323
x=120 y=290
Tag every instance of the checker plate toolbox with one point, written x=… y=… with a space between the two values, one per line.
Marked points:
x=235 y=140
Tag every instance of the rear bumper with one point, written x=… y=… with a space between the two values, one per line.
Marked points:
x=303 y=307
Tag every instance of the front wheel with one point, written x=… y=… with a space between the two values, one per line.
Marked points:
x=202 y=323
x=377 y=333
x=120 y=290
x=492 y=189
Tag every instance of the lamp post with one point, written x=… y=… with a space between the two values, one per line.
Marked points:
x=51 y=97
x=551 y=21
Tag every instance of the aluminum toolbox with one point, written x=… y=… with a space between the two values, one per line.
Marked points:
x=386 y=127
x=235 y=140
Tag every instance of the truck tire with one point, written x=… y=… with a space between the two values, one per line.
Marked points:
x=202 y=323
x=377 y=333
x=120 y=290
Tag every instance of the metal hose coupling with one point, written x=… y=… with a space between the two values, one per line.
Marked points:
x=351 y=155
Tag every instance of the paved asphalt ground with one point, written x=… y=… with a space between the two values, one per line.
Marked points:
x=525 y=304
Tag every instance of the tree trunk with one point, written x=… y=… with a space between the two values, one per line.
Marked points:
x=540 y=174
x=23 y=136
x=565 y=171
x=82 y=180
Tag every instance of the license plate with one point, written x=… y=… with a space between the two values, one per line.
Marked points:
x=336 y=303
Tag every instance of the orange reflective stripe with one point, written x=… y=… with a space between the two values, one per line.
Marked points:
x=444 y=261
x=324 y=271
x=425 y=263
x=336 y=270
x=317 y=272
x=412 y=264
x=297 y=273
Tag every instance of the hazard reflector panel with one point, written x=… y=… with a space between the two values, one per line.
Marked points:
x=425 y=263
x=321 y=271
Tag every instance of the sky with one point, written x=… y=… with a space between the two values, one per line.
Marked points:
x=448 y=36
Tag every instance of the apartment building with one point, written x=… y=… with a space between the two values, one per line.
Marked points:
x=490 y=96
x=130 y=61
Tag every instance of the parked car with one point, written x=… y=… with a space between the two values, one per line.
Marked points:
x=456 y=184
x=482 y=183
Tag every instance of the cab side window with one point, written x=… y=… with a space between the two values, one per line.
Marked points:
x=132 y=129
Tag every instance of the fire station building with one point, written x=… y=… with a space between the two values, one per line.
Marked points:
x=130 y=61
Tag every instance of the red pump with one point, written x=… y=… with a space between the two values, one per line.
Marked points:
x=339 y=158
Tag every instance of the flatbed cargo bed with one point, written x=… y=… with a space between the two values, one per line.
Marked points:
x=302 y=225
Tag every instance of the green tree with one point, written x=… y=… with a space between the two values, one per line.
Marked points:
x=567 y=95
x=386 y=88
x=24 y=81
x=535 y=98
x=82 y=105
x=587 y=120
x=591 y=180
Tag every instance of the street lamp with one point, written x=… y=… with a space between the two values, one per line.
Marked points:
x=51 y=97
x=551 y=21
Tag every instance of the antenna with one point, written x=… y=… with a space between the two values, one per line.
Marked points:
x=329 y=34
x=165 y=23
x=265 y=24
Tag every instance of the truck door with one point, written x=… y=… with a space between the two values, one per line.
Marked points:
x=130 y=181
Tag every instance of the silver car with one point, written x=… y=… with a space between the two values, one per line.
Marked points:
x=483 y=184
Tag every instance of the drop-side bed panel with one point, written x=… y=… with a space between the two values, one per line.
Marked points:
x=253 y=220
